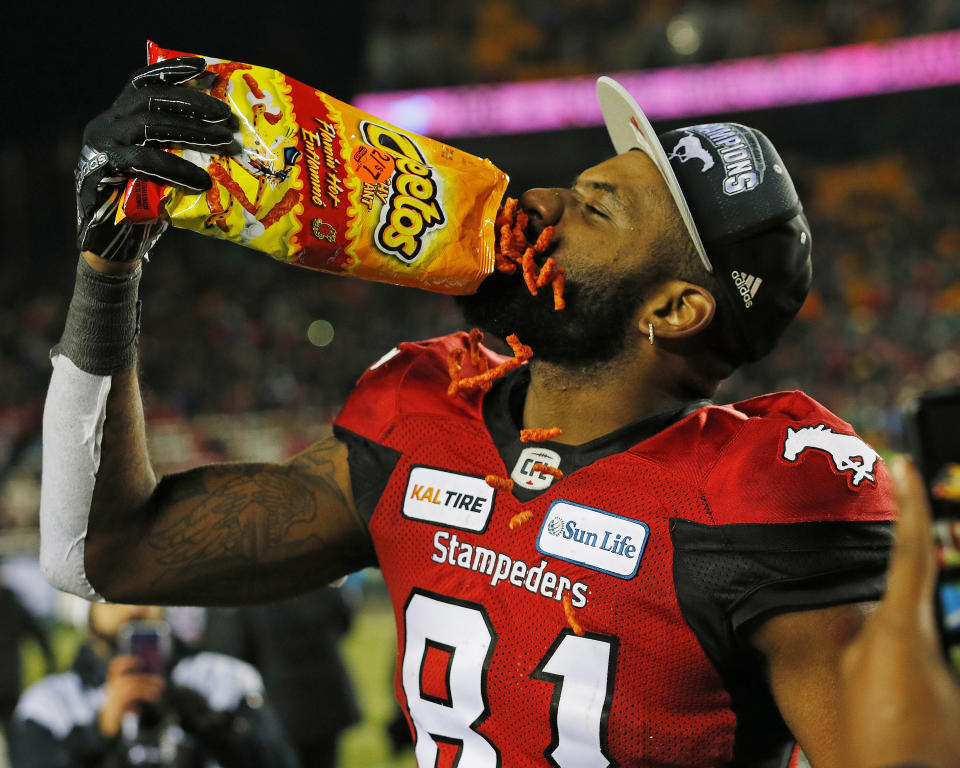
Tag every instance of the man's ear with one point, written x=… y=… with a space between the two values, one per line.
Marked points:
x=679 y=310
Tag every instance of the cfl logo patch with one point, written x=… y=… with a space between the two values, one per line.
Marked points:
x=526 y=476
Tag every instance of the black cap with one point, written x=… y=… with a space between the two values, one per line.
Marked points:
x=741 y=209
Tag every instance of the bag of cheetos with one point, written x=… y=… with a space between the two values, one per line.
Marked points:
x=324 y=185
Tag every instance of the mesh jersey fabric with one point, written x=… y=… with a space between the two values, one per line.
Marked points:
x=490 y=671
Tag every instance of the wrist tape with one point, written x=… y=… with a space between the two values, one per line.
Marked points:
x=103 y=322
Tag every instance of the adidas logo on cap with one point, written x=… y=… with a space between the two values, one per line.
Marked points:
x=747 y=285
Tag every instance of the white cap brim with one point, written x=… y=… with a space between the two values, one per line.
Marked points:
x=629 y=129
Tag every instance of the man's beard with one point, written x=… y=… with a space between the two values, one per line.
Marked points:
x=591 y=329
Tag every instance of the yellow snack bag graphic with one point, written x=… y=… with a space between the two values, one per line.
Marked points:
x=324 y=185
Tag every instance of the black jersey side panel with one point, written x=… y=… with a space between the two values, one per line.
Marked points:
x=371 y=465
x=730 y=578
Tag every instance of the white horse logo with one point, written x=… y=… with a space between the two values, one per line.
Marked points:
x=690 y=148
x=848 y=452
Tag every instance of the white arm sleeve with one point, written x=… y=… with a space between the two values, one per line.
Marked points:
x=73 y=419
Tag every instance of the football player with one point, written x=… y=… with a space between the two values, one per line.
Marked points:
x=652 y=580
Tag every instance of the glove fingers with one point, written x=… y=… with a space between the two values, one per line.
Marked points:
x=186 y=101
x=169 y=128
x=106 y=169
x=165 y=128
x=177 y=99
x=167 y=168
x=170 y=72
x=152 y=108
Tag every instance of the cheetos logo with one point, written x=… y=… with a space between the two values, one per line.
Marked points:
x=413 y=208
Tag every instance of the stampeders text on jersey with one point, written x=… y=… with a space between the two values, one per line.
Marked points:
x=502 y=568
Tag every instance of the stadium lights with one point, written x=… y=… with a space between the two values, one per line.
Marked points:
x=723 y=87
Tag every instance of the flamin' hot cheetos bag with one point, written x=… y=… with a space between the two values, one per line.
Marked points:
x=324 y=185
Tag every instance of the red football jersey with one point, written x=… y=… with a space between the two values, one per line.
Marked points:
x=606 y=627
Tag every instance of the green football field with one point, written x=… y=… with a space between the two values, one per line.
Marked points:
x=369 y=650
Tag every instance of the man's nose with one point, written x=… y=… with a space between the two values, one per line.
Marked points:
x=543 y=206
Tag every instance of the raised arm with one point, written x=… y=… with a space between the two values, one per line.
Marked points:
x=218 y=534
x=110 y=528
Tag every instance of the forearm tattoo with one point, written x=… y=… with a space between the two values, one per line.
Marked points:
x=261 y=528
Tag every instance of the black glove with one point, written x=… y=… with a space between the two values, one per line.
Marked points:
x=153 y=110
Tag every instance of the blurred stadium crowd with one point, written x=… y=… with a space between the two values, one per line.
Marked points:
x=424 y=43
x=229 y=369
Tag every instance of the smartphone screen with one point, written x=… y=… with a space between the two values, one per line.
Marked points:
x=933 y=430
x=148 y=640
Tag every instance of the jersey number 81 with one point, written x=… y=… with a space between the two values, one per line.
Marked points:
x=581 y=669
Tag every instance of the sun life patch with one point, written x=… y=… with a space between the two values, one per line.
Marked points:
x=593 y=538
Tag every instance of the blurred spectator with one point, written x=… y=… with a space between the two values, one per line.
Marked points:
x=295 y=645
x=165 y=706
x=22 y=574
x=17 y=624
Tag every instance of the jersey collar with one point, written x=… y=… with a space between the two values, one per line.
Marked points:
x=503 y=414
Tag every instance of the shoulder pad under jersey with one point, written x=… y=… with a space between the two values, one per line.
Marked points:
x=412 y=378
x=792 y=460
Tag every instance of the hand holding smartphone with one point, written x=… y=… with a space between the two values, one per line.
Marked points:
x=933 y=433
x=136 y=677
x=150 y=641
